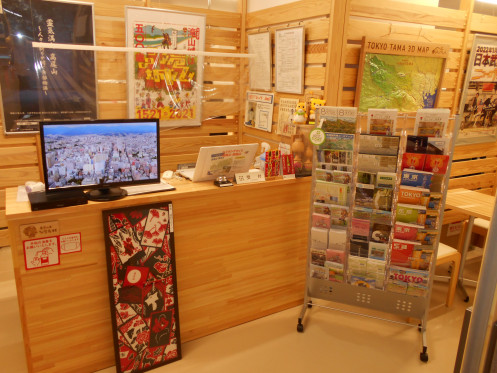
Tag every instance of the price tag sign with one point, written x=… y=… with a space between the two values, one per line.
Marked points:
x=249 y=177
x=317 y=136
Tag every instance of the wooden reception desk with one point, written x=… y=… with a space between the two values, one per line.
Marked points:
x=240 y=255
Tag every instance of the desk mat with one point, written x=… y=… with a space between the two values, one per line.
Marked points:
x=142 y=286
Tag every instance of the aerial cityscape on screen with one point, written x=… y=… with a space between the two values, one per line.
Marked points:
x=92 y=154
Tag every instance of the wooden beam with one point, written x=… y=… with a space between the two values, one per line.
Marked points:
x=243 y=66
x=335 y=59
x=468 y=6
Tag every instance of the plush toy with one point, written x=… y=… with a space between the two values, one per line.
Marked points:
x=315 y=103
x=300 y=116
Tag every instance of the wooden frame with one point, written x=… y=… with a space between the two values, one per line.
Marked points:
x=142 y=286
x=396 y=85
x=289 y=52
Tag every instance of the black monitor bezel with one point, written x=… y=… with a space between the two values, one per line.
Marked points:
x=103 y=185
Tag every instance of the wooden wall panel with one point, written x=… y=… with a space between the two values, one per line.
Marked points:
x=363 y=27
x=19 y=153
x=398 y=11
x=288 y=13
x=483 y=23
x=4 y=237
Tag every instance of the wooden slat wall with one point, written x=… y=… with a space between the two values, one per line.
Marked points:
x=19 y=153
x=315 y=16
x=380 y=19
x=354 y=19
x=475 y=169
x=18 y=163
x=332 y=55
x=333 y=29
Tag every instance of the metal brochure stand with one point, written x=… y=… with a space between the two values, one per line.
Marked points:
x=403 y=305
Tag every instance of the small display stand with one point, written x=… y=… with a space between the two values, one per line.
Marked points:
x=377 y=203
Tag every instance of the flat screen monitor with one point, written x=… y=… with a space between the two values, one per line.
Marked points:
x=100 y=156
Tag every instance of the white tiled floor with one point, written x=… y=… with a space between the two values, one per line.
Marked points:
x=332 y=340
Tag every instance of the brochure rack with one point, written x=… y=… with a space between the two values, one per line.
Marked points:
x=363 y=295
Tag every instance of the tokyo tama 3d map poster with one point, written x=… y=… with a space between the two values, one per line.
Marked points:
x=165 y=86
x=401 y=75
x=142 y=286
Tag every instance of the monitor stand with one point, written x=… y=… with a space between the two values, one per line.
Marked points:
x=106 y=194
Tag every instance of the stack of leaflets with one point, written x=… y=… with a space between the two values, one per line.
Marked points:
x=332 y=193
x=415 y=231
x=371 y=219
x=407 y=281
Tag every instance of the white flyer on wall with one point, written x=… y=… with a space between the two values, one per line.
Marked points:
x=286 y=110
x=259 y=110
x=289 y=60
x=260 y=66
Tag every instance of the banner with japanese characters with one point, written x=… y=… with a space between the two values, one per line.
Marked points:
x=41 y=84
x=165 y=86
x=478 y=106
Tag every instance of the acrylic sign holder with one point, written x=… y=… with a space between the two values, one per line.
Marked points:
x=403 y=305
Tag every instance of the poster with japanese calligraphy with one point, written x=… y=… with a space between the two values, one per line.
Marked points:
x=478 y=106
x=41 y=84
x=165 y=86
x=142 y=286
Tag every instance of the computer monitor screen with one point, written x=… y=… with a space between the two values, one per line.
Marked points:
x=100 y=155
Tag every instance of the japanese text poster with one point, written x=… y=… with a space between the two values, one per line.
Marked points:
x=478 y=106
x=41 y=84
x=165 y=86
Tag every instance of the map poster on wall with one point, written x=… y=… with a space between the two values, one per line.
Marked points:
x=141 y=273
x=260 y=66
x=165 y=86
x=401 y=75
x=478 y=106
x=259 y=110
x=41 y=84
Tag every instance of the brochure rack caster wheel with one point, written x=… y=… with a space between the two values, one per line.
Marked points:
x=309 y=305
x=300 y=327
x=423 y=356
x=466 y=299
x=419 y=328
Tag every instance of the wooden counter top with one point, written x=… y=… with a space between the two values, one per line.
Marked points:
x=184 y=189
x=240 y=252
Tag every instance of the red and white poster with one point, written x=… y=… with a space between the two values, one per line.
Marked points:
x=42 y=252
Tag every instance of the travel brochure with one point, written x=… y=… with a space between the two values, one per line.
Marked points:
x=377 y=199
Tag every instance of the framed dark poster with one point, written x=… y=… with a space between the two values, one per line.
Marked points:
x=39 y=84
x=142 y=286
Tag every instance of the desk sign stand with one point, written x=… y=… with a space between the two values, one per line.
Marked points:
x=377 y=203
